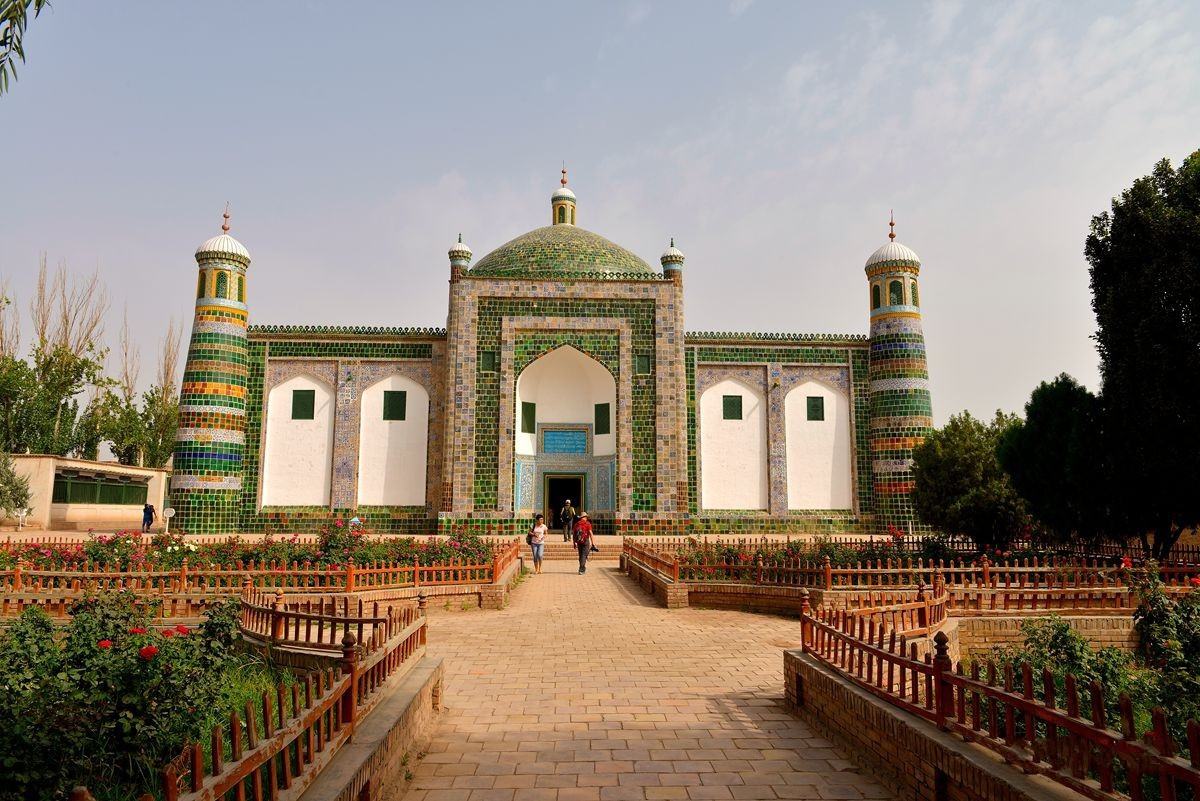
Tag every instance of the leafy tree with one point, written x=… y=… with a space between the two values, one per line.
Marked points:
x=1145 y=277
x=160 y=419
x=1056 y=460
x=14 y=488
x=959 y=486
x=14 y=17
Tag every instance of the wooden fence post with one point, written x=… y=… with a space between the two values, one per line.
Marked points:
x=943 y=691
x=987 y=573
x=923 y=609
x=805 y=621
x=422 y=602
x=416 y=571
x=277 y=617
x=350 y=668
x=183 y=575
x=349 y=575
x=17 y=586
x=827 y=569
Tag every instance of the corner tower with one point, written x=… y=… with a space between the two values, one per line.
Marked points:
x=207 y=482
x=901 y=411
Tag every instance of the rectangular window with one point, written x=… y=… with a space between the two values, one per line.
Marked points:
x=731 y=407
x=816 y=408
x=304 y=404
x=641 y=364
x=395 y=404
x=528 y=417
x=488 y=361
x=603 y=418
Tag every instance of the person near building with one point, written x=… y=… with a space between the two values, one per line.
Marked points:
x=148 y=517
x=537 y=541
x=566 y=519
x=582 y=537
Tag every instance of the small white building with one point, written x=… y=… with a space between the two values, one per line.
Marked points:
x=79 y=494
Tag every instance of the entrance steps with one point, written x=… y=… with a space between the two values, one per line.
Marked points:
x=556 y=549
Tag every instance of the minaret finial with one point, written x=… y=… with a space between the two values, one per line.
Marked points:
x=225 y=225
x=563 y=180
x=460 y=237
x=892 y=225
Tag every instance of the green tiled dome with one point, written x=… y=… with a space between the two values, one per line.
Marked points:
x=561 y=249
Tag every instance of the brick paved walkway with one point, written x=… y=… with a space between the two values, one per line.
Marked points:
x=584 y=690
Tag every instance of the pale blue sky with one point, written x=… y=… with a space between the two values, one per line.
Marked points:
x=770 y=139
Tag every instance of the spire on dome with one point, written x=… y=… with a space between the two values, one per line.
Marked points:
x=225 y=225
x=562 y=203
x=563 y=180
x=892 y=225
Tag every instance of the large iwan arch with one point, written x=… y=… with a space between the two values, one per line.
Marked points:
x=733 y=447
x=819 y=464
x=393 y=443
x=298 y=452
x=564 y=387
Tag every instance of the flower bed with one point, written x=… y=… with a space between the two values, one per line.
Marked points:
x=337 y=544
x=115 y=697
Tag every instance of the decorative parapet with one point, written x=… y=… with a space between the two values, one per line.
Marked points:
x=740 y=337
x=572 y=275
x=397 y=332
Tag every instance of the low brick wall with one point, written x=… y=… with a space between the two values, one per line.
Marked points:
x=373 y=765
x=668 y=593
x=975 y=635
x=904 y=752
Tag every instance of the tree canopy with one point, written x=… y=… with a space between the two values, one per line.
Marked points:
x=1145 y=277
x=960 y=487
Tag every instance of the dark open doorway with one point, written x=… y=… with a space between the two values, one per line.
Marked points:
x=560 y=487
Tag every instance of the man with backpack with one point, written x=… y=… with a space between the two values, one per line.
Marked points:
x=566 y=519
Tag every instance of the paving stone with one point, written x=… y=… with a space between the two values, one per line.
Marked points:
x=580 y=690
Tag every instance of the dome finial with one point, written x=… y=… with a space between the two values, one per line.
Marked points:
x=225 y=225
x=892 y=225
x=563 y=180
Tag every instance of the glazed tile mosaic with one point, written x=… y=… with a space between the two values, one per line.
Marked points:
x=636 y=408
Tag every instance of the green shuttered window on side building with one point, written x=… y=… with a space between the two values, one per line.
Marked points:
x=395 y=404
x=304 y=404
x=85 y=489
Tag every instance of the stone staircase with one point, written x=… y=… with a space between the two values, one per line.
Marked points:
x=556 y=549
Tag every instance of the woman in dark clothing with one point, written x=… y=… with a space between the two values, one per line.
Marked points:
x=148 y=516
x=582 y=538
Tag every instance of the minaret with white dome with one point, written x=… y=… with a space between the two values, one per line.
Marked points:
x=206 y=482
x=901 y=411
x=672 y=262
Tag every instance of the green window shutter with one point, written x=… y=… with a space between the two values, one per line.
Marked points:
x=395 y=404
x=488 y=361
x=603 y=418
x=83 y=490
x=136 y=494
x=112 y=493
x=200 y=285
x=241 y=296
x=61 y=488
x=528 y=417
x=731 y=407
x=304 y=404
x=816 y=408
x=875 y=299
x=222 y=285
x=913 y=291
x=641 y=364
x=895 y=294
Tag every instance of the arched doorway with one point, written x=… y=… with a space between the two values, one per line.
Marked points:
x=565 y=435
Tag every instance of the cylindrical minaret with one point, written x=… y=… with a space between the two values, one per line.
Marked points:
x=901 y=413
x=672 y=262
x=206 y=485
x=460 y=259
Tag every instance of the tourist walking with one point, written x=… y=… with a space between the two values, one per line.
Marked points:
x=566 y=519
x=582 y=537
x=148 y=516
x=537 y=541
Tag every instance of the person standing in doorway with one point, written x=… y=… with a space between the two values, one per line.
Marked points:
x=566 y=519
x=582 y=538
x=537 y=541
x=148 y=516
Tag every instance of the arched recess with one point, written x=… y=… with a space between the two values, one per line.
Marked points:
x=393 y=443
x=565 y=386
x=819 y=465
x=298 y=452
x=733 y=447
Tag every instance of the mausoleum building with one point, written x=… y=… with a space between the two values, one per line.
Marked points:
x=564 y=371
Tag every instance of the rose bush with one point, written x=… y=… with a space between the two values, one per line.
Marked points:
x=114 y=699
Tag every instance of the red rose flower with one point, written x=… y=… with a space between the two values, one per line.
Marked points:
x=182 y=630
x=104 y=645
x=137 y=630
x=168 y=633
x=1126 y=561
x=1194 y=581
x=147 y=652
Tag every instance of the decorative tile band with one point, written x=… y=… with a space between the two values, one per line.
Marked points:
x=899 y=384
